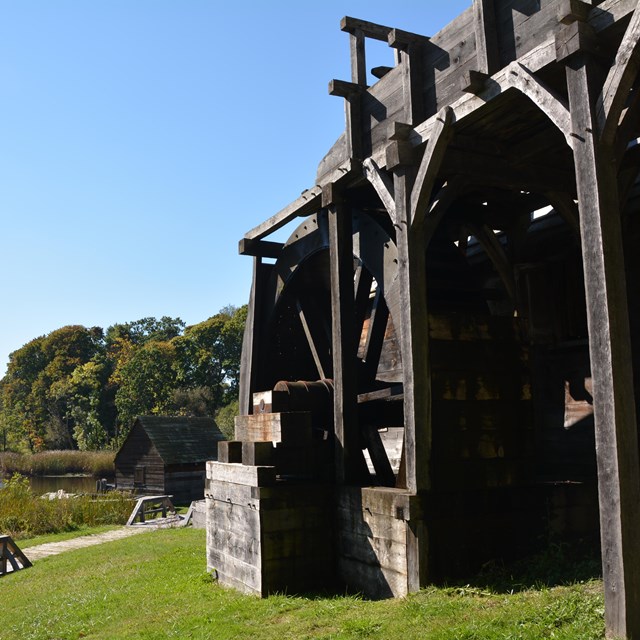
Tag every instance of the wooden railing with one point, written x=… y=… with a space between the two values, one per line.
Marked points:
x=151 y=506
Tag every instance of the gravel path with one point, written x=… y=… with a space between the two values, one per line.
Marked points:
x=53 y=548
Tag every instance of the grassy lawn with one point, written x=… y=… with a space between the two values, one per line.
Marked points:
x=155 y=586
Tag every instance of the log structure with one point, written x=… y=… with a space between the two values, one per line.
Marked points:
x=465 y=273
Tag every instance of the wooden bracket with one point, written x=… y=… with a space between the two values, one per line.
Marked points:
x=430 y=164
x=570 y=11
x=473 y=81
x=399 y=131
x=551 y=103
x=369 y=29
x=259 y=248
x=382 y=184
x=575 y=38
x=344 y=89
x=399 y=153
x=399 y=39
x=487 y=48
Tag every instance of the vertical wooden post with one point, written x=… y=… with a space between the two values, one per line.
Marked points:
x=486 y=36
x=610 y=349
x=250 y=341
x=414 y=329
x=343 y=340
x=358 y=58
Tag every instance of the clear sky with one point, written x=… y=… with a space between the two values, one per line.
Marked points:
x=140 y=139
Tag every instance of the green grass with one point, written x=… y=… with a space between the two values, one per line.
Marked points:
x=96 y=463
x=154 y=586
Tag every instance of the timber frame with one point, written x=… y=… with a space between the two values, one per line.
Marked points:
x=515 y=106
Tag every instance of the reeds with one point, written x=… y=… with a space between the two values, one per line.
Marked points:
x=52 y=463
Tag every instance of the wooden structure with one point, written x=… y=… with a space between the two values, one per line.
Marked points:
x=11 y=556
x=466 y=268
x=167 y=455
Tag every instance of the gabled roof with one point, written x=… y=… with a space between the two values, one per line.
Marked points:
x=181 y=440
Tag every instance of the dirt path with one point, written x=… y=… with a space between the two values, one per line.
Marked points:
x=53 y=548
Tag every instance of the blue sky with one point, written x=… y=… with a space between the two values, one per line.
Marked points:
x=140 y=139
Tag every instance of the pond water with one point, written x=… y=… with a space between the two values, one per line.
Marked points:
x=70 y=484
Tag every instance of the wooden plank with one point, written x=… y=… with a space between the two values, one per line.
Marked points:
x=609 y=346
x=317 y=340
x=488 y=53
x=293 y=427
x=241 y=474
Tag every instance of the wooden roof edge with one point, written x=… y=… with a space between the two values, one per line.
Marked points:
x=600 y=18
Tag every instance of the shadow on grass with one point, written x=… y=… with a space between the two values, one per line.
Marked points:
x=557 y=565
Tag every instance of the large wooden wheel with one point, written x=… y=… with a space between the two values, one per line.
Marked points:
x=296 y=310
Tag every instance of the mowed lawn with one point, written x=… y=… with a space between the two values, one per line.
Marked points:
x=155 y=585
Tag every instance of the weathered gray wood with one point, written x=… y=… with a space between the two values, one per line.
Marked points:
x=258 y=453
x=230 y=451
x=315 y=339
x=358 y=58
x=343 y=343
x=294 y=427
x=521 y=78
x=619 y=81
x=241 y=474
x=379 y=458
x=441 y=134
x=609 y=345
x=307 y=203
x=259 y=248
x=487 y=49
x=382 y=184
x=414 y=347
x=369 y=29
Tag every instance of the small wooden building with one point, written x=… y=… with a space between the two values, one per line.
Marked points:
x=167 y=455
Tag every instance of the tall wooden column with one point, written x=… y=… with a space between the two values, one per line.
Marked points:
x=348 y=454
x=413 y=335
x=610 y=350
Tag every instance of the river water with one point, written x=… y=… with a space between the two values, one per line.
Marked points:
x=69 y=484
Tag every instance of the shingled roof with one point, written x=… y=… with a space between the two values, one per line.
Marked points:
x=182 y=440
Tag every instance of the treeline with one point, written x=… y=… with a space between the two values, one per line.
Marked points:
x=80 y=387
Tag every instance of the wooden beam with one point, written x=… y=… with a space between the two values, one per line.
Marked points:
x=551 y=103
x=399 y=39
x=307 y=203
x=249 y=367
x=352 y=93
x=311 y=328
x=620 y=79
x=487 y=48
x=358 y=58
x=348 y=453
x=382 y=184
x=609 y=346
x=566 y=208
x=446 y=196
x=259 y=248
x=413 y=340
x=369 y=29
x=490 y=243
x=430 y=165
